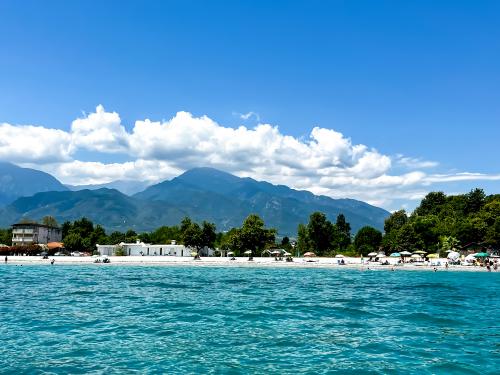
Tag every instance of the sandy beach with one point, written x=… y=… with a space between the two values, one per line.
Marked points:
x=354 y=263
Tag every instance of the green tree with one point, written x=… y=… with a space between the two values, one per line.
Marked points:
x=367 y=239
x=252 y=236
x=73 y=242
x=426 y=230
x=431 y=204
x=50 y=221
x=115 y=238
x=6 y=237
x=320 y=233
x=343 y=232
x=395 y=221
x=475 y=200
x=208 y=234
x=302 y=239
x=407 y=239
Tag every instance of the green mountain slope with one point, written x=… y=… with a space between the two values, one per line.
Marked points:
x=202 y=194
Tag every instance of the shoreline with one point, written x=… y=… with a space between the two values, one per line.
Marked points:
x=240 y=262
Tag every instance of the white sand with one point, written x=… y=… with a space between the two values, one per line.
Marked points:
x=239 y=262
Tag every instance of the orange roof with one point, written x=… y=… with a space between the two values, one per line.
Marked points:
x=55 y=245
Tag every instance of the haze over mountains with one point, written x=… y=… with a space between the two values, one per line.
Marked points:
x=18 y=182
x=200 y=193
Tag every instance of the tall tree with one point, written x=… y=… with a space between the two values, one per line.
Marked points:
x=302 y=239
x=321 y=233
x=475 y=200
x=343 y=232
x=252 y=236
x=367 y=239
x=395 y=221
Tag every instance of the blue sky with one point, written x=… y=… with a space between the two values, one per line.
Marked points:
x=417 y=79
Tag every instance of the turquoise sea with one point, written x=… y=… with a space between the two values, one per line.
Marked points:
x=202 y=320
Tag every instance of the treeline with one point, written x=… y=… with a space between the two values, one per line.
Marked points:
x=439 y=223
x=443 y=222
x=84 y=235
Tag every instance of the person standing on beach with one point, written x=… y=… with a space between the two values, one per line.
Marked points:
x=6 y=259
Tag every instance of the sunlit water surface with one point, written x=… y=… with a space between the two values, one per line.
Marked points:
x=125 y=319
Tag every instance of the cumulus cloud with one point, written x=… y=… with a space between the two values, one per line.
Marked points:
x=100 y=131
x=24 y=144
x=327 y=162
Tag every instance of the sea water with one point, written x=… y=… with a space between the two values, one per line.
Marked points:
x=202 y=320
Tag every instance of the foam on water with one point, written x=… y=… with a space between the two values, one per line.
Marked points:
x=86 y=319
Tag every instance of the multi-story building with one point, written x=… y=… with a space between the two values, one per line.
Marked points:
x=32 y=233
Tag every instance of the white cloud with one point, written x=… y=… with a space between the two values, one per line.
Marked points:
x=26 y=143
x=100 y=131
x=326 y=162
x=248 y=115
x=415 y=162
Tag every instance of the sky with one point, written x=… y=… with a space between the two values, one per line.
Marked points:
x=381 y=101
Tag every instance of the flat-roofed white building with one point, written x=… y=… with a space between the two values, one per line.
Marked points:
x=141 y=248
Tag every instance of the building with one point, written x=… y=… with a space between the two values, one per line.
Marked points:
x=33 y=233
x=144 y=249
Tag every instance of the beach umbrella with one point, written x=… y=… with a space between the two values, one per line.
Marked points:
x=453 y=255
x=286 y=254
x=416 y=256
x=372 y=254
x=433 y=256
x=394 y=255
x=470 y=258
x=230 y=253
x=309 y=254
x=405 y=253
x=481 y=255
x=276 y=252
x=420 y=252
x=339 y=256
x=194 y=253
x=248 y=252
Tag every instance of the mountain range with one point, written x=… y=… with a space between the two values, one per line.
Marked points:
x=18 y=182
x=200 y=193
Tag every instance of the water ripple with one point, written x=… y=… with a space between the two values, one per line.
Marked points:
x=113 y=320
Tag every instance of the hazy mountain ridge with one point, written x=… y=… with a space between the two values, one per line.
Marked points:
x=18 y=182
x=128 y=187
x=200 y=193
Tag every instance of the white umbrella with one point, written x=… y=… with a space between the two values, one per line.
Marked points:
x=276 y=252
x=470 y=258
x=339 y=256
x=286 y=253
x=372 y=254
x=405 y=253
x=453 y=255
x=230 y=253
x=248 y=252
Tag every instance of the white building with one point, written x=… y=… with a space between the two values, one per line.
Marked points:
x=141 y=248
